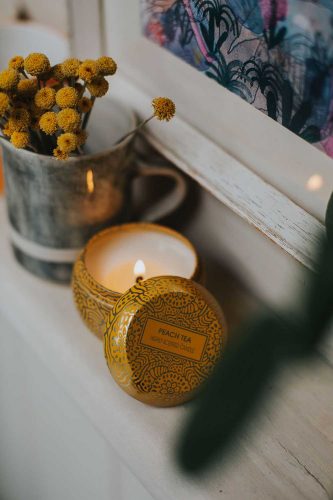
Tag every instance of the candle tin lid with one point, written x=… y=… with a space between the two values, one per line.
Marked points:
x=163 y=339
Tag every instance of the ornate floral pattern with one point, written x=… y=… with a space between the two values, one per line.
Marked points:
x=275 y=54
x=156 y=375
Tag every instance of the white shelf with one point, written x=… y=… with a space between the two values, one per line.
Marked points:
x=289 y=457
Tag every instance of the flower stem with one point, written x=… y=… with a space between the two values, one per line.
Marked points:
x=142 y=124
x=83 y=89
x=30 y=146
x=86 y=118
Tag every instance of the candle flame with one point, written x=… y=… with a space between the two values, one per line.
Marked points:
x=90 y=181
x=139 y=268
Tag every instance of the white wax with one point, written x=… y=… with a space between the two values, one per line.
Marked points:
x=111 y=260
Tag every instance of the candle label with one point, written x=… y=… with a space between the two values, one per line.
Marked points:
x=170 y=338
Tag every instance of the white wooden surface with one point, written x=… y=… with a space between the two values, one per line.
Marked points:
x=289 y=456
x=86 y=28
x=50 y=14
x=49 y=449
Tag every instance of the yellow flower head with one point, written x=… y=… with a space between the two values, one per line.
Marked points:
x=48 y=123
x=36 y=64
x=85 y=105
x=59 y=154
x=4 y=103
x=67 y=142
x=81 y=137
x=56 y=72
x=70 y=67
x=27 y=88
x=88 y=70
x=164 y=108
x=19 y=120
x=106 y=65
x=45 y=98
x=98 y=87
x=9 y=79
x=16 y=62
x=19 y=139
x=8 y=130
x=67 y=97
x=68 y=119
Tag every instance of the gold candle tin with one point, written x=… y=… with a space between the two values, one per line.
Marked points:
x=163 y=336
x=163 y=339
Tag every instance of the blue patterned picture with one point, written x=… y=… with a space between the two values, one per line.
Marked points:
x=275 y=54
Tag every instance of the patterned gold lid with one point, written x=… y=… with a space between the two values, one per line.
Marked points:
x=163 y=339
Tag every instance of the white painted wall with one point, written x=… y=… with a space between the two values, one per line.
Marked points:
x=50 y=13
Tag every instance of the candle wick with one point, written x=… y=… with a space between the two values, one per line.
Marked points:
x=138 y=279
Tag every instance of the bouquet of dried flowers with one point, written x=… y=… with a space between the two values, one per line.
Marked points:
x=46 y=109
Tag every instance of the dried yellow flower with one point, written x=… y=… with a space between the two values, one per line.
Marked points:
x=70 y=67
x=85 y=104
x=48 y=123
x=68 y=119
x=59 y=154
x=37 y=64
x=164 y=108
x=45 y=98
x=9 y=79
x=106 y=65
x=56 y=72
x=4 y=103
x=8 y=130
x=16 y=62
x=19 y=139
x=67 y=97
x=67 y=142
x=27 y=88
x=98 y=87
x=88 y=70
x=19 y=120
x=81 y=137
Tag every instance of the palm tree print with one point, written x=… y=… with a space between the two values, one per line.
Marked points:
x=275 y=54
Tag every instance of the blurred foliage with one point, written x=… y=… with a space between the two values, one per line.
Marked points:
x=230 y=397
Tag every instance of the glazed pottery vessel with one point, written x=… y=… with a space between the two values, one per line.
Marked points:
x=54 y=207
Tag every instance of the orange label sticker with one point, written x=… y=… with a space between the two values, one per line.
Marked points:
x=172 y=339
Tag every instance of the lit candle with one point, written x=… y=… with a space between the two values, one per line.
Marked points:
x=123 y=255
x=139 y=270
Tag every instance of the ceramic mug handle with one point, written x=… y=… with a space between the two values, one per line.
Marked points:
x=171 y=200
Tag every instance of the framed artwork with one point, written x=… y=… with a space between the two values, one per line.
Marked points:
x=275 y=54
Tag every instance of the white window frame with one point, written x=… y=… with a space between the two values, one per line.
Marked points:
x=252 y=164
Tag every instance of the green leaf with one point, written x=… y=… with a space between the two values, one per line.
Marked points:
x=220 y=41
x=233 y=392
x=278 y=37
x=271 y=105
x=311 y=134
x=300 y=117
x=287 y=95
x=329 y=220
